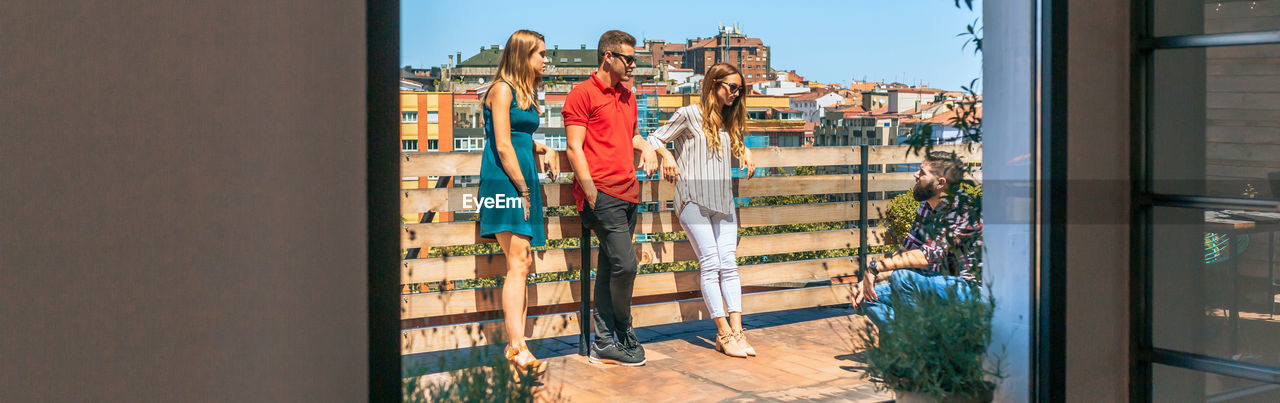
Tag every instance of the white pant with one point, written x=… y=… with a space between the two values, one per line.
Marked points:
x=715 y=237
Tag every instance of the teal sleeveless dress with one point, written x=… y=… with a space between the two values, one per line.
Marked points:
x=498 y=212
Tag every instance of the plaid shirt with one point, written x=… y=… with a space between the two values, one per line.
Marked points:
x=938 y=247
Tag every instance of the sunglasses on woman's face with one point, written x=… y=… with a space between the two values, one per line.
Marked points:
x=626 y=60
x=733 y=88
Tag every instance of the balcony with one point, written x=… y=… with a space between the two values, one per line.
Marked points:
x=795 y=283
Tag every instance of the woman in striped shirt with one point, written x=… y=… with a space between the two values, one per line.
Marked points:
x=706 y=135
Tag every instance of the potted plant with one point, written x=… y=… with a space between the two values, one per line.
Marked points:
x=935 y=349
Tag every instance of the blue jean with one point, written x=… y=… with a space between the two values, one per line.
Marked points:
x=910 y=283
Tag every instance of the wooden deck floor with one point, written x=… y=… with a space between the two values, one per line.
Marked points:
x=804 y=355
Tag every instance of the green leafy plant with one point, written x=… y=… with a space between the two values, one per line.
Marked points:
x=484 y=376
x=936 y=346
x=899 y=217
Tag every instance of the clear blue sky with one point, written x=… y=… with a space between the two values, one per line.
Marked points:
x=910 y=41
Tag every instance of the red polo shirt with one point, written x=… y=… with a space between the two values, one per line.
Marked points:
x=609 y=114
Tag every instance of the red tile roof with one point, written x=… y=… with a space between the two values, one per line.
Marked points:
x=916 y=90
x=704 y=43
x=946 y=117
x=812 y=95
x=943 y=118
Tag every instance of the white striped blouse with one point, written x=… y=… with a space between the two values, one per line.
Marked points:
x=705 y=174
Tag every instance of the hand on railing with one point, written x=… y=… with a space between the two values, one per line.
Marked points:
x=670 y=171
x=550 y=162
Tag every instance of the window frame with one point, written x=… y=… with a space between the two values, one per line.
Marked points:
x=1143 y=353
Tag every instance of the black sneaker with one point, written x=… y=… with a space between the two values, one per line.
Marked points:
x=612 y=353
x=631 y=345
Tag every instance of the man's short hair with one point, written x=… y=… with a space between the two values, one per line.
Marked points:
x=612 y=41
x=946 y=165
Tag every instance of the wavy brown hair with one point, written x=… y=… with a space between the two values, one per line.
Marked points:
x=514 y=68
x=733 y=117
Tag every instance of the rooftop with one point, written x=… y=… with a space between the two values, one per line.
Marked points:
x=916 y=90
x=489 y=57
x=812 y=95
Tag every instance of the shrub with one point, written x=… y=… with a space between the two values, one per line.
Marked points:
x=898 y=220
x=485 y=377
x=935 y=347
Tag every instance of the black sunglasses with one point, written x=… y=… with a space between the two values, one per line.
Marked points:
x=628 y=60
x=733 y=88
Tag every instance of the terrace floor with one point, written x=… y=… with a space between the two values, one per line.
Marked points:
x=804 y=355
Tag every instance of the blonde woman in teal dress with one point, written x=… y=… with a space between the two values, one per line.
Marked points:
x=509 y=198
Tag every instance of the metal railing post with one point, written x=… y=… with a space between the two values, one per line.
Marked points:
x=862 y=209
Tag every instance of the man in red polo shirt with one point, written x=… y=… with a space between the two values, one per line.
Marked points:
x=600 y=126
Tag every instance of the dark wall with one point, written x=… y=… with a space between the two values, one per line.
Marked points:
x=183 y=207
x=1097 y=251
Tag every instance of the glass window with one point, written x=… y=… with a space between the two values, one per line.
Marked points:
x=408 y=117
x=1223 y=106
x=433 y=117
x=1184 y=385
x=1215 y=17
x=408 y=145
x=469 y=144
x=1212 y=129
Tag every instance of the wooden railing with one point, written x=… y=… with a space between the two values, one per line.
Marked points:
x=458 y=303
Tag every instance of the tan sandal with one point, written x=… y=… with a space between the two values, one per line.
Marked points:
x=534 y=367
x=746 y=347
x=728 y=344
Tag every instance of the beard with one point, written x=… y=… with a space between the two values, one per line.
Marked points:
x=923 y=191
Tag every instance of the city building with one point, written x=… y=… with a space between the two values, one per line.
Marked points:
x=813 y=104
x=941 y=117
x=780 y=87
x=874 y=99
x=568 y=67
x=729 y=45
x=899 y=99
x=410 y=85
x=855 y=125
x=768 y=117
x=661 y=53
x=678 y=75
x=422 y=130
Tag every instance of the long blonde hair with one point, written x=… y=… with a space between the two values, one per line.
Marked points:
x=514 y=68
x=733 y=117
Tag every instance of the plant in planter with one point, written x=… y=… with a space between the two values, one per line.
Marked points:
x=935 y=348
